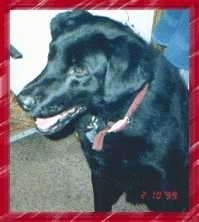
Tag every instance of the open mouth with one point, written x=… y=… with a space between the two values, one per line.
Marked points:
x=56 y=123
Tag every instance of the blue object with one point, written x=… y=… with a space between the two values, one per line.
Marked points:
x=172 y=31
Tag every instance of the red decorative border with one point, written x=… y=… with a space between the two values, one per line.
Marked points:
x=5 y=214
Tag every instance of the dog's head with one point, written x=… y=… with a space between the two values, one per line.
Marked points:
x=91 y=60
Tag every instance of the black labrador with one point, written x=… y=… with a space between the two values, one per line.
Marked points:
x=126 y=101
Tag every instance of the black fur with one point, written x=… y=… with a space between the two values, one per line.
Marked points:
x=101 y=64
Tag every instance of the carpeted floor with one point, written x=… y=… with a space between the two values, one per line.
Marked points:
x=51 y=175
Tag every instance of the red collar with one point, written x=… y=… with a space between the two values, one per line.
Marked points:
x=122 y=123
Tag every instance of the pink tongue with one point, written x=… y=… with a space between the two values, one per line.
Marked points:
x=45 y=123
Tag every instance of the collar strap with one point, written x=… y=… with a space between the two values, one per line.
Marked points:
x=122 y=123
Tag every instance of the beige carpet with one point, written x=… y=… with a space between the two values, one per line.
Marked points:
x=53 y=176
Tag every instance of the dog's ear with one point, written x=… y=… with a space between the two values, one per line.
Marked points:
x=67 y=21
x=124 y=73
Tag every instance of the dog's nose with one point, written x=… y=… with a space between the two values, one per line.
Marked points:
x=27 y=102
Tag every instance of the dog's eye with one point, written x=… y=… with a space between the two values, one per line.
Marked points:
x=80 y=71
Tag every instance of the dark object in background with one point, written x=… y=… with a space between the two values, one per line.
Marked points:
x=96 y=67
x=14 y=53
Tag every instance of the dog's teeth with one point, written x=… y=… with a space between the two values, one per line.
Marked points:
x=67 y=112
x=72 y=110
x=45 y=123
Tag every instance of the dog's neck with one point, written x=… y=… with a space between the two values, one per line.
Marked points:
x=120 y=124
x=109 y=111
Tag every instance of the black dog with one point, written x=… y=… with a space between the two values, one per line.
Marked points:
x=99 y=71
